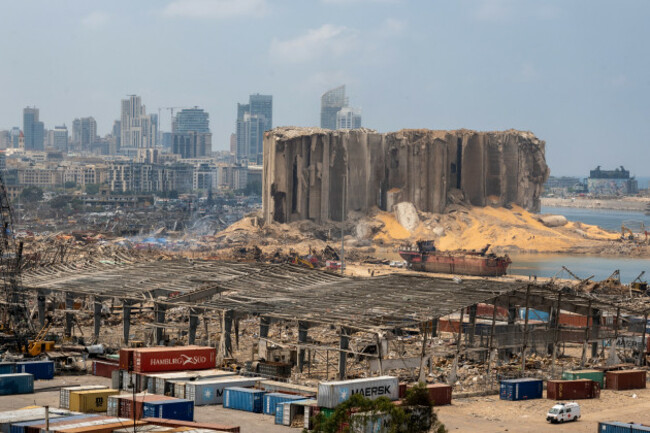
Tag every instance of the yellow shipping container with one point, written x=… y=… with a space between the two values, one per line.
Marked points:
x=93 y=400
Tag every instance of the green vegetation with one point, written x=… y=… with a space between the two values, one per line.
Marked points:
x=415 y=416
x=92 y=188
x=31 y=194
x=70 y=184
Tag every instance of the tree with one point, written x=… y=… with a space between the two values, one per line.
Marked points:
x=31 y=194
x=59 y=202
x=253 y=188
x=92 y=188
x=69 y=184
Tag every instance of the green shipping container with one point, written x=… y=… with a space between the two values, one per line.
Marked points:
x=595 y=375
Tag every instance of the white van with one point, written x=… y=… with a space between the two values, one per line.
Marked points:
x=562 y=412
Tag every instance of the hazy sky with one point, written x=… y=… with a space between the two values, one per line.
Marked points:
x=576 y=73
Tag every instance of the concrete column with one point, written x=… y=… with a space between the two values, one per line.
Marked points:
x=265 y=325
x=596 y=332
x=473 y=309
x=434 y=328
x=227 y=330
x=159 y=311
x=344 y=343
x=41 y=309
x=302 y=338
x=194 y=324
x=126 y=321
x=97 y=316
x=69 y=305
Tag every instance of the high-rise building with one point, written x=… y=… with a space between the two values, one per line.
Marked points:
x=33 y=129
x=5 y=139
x=137 y=129
x=84 y=133
x=60 y=138
x=348 y=118
x=191 y=137
x=15 y=134
x=252 y=120
x=330 y=104
x=233 y=144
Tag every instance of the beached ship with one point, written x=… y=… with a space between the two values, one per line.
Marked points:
x=425 y=257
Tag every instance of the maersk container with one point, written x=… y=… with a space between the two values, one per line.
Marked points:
x=521 y=389
x=250 y=400
x=40 y=369
x=64 y=393
x=21 y=427
x=273 y=399
x=206 y=392
x=595 y=375
x=17 y=383
x=7 y=367
x=179 y=408
x=621 y=427
x=330 y=394
x=290 y=410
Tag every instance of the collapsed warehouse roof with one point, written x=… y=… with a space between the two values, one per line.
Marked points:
x=292 y=292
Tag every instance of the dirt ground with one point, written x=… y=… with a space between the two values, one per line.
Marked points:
x=490 y=414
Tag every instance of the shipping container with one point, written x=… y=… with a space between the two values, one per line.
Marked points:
x=105 y=368
x=274 y=369
x=439 y=393
x=521 y=389
x=271 y=400
x=287 y=388
x=64 y=393
x=210 y=392
x=106 y=428
x=36 y=424
x=7 y=367
x=595 y=375
x=402 y=390
x=330 y=394
x=126 y=359
x=93 y=400
x=368 y=422
x=17 y=383
x=191 y=424
x=626 y=379
x=621 y=427
x=144 y=428
x=22 y=415
x=127 y=404
x=250 y=400
x=310 y=412
x=176 y=408
x=152 y=359
x=157 y=381
x=537 y=315
x=572 y=389
x=116 y=379
x=292 y=413
x=40 y=369
x=98 y=420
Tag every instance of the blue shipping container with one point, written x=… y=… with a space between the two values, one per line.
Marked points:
x=273 y=399
x=621 y=427
x=7 y=367
x=40 y=369
x=521 y=389
x=179 y=409
x=250 y=400
x=18 y=383
x=541 y=316
x=20 y=427
x=279 y=412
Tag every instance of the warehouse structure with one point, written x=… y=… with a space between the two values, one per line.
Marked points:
x=374 y=307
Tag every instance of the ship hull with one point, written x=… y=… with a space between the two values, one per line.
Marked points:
x=456 y=264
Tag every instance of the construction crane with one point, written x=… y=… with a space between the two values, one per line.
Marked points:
x=639 y=286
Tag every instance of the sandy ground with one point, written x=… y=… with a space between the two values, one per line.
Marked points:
x=490 y=414
x=46 y=392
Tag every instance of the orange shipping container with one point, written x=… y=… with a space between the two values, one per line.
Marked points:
x=101 y=428
x=192 y=424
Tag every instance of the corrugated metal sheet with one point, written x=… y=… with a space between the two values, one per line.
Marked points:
x=14 y=416
x=210 y=392
x=22 y=427
x=621 y=427
x=330 y=394
x=7 y=367
x=192 y=424
x=17 y=383
x=250 y=400
x=64 y=393
x=180 y=409
x=40 y=369
x=98 y=421
x=271 y=400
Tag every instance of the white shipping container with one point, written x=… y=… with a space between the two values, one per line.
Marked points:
x=330 y=394
x=64 y=393
x=87 y=424
x=23 y=415
x=161 y=378
x=210 y=391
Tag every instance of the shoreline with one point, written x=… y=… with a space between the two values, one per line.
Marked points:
x=631 y=204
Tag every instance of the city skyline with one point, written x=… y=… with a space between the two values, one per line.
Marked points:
x=580 y=88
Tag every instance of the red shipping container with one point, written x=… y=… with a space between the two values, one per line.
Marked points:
x=439 y=393
x=104 y=368
x=126 y=404
x=572 y=389
x=191 y=424
x=126 y=359
x=625 y=379
x=180 y=358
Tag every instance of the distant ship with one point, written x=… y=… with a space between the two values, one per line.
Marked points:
x=426 y=258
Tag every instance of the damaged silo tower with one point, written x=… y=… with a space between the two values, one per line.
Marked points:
x=319 y=174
